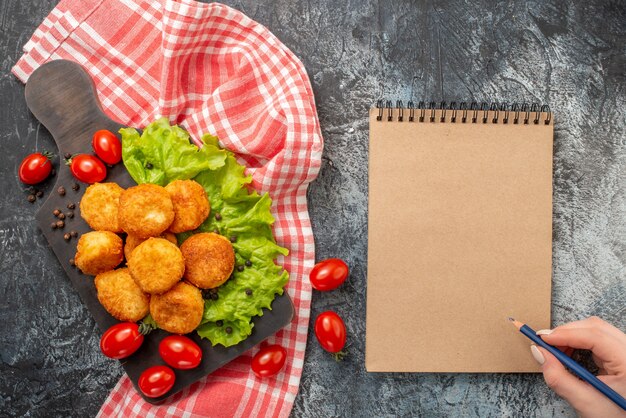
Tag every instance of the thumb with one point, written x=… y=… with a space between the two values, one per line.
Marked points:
x=578 y=393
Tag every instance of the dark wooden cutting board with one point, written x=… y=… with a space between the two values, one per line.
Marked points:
x=62 y=96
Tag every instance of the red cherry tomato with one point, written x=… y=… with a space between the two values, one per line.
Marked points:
x=107 y=146
x=87 y=168
x=269 y=360
x=121 y=340
x=180 y=352
x=330 y=331
x=156 y=381
x=329 y=274
x=35 y=168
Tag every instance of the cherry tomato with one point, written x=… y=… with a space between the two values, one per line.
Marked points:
x=330 y=331
x=35 y=168
x=107 y=146
x=180 y=352
x=87 y=168
x=121 y=340
x=329 y=274
x=156 y=381
x=269 y=360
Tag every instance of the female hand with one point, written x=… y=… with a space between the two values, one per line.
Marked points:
x=608 y=345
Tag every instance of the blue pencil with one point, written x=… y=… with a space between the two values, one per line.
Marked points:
x=571 y=364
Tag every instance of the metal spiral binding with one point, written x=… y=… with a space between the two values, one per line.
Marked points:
x=523 y=113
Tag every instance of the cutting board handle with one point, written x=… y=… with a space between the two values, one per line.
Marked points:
x=61 y=94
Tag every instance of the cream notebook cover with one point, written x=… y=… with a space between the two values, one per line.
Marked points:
x=460 y=238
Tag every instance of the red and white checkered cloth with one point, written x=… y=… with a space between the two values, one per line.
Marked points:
x=210 y=69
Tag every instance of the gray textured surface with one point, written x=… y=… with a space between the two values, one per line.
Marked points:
x=571 y=55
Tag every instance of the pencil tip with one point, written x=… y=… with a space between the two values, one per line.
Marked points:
x=511 y=319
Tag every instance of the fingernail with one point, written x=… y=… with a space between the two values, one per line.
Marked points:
x=537 y=354
x=544 y=332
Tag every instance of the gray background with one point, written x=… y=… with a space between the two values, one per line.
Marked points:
x=570 y=55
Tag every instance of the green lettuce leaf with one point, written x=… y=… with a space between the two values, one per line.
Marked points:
x=163 y=153
x=245 y=217
x=213 y=332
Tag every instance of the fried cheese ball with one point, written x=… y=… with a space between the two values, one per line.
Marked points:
x=120 y=296
x=179 y=310
x=156 y=265
x=209 y=259
x=145 y=210
x=191 y=205
x=99 y=204
x=133 y=241
x=98 y=251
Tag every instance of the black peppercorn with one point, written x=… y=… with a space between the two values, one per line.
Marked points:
x=248 y=263
x=249 y=292
x=70 y=214
x=214 y=296
x=75 y=187
x=74 y=234
x=233 y=238
x=240 y=268
x=53 y=225
x=148 y=166
x=216 y=231
x=61 y=216
x=56 y=212
x=31 y=198
x=71 y=206
x=67 y=156
x=67 y=236
x=72 y=262
x=218 y=217
x=60 y=224
x=39 y=193
x=61 y=191
x=219 y=323
x=228 y=330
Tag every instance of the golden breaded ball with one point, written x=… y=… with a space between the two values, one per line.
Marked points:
x=98 y=251
x=145 y=210
x=179 y=310
x=209 y=259
x=99 y=206
x=191 y=205
x=133 y=241
x=156 y=265
x=120 y=295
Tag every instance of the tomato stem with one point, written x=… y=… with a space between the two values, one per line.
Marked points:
x=340 y=355
x=47 y=154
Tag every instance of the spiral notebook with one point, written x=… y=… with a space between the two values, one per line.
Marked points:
x=460 y=236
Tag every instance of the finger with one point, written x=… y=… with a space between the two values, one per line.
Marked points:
x=578 y=393
x=604 y=346
x=595 y=322
x=616 y=383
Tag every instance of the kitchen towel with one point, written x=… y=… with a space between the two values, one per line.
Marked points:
x=210 y=69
